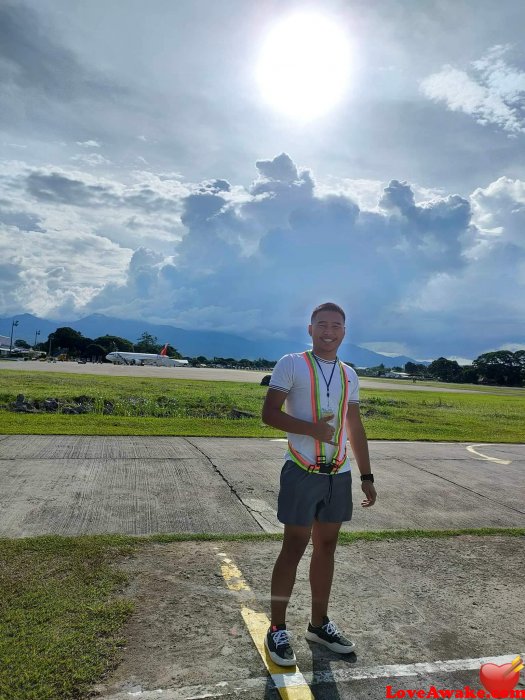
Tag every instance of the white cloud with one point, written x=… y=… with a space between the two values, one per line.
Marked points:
x=499 y=210
x=493 y=94
x=513 y=347
x=365 y=193
x=57 y=274
x=90 y=159
x=88 y=144
x=388 y=348
x=441 y=275
x=460 y=360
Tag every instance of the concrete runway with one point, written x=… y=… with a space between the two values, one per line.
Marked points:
x=73 y=485
x=424 y=613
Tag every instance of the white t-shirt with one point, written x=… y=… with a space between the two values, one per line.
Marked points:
x=292 y=376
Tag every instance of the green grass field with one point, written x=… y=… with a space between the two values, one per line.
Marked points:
x=146 y=406
x=444 y=386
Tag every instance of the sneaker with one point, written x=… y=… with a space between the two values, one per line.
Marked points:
x=330 y=636
x=277 y=642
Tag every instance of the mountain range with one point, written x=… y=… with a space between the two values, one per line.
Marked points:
x=189 y=343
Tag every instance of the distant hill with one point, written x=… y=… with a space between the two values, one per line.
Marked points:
x=190 y=343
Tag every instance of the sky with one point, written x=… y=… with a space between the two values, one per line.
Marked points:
x=150 y=168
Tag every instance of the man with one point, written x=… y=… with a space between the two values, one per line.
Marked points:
x=315 y=497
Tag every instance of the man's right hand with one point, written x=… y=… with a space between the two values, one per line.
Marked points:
x=323 y=431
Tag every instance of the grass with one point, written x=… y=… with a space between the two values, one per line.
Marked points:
x=60 y=622
x=148 y=406
x=483 y=388
x=62 y=606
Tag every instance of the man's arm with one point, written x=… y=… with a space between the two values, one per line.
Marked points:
x=359 y=444
x=272 y=414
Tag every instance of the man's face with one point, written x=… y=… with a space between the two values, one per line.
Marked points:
x=327 y=331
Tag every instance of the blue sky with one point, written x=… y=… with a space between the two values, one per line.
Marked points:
x=144 y=174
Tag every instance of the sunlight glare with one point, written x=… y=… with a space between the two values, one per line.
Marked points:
x=304 y=66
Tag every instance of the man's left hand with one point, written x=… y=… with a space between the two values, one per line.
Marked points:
x=369 y=490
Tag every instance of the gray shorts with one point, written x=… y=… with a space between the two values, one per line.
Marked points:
x=305 y=497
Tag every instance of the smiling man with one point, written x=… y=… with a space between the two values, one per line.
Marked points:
x=315 y=497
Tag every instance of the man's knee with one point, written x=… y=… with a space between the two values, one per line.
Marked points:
x=326 y=547
x=325 y=536
x=295 y=542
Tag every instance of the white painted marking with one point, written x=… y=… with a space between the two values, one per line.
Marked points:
x=247 y=685
x=471 y=449
x=288 y=680
x=278 y=440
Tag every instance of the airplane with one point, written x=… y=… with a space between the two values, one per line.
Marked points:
x=145 y=358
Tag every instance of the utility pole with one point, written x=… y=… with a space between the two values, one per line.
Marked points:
x=15 y=323
x=51 y=337
x=37 y=333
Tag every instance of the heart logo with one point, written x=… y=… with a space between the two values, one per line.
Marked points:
x=500 y=680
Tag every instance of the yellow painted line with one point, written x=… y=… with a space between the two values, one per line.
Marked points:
x=291 y=684
x=471 y=449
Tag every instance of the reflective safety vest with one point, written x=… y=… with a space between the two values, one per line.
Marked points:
x=339 y=457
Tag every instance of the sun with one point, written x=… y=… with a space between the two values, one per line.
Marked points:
x=304 y=66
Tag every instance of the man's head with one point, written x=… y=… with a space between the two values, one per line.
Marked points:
x=327 y=329
x=328 y=306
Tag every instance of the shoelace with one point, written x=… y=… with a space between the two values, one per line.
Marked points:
x=281 y=638
x=331 y=628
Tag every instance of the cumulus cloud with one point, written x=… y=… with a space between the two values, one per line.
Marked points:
x=493 y=92
x=55 y=275
x=422 y=274
x=499 y=211
x=486 y=299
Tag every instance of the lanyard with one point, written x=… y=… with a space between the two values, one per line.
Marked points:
x=329 y=381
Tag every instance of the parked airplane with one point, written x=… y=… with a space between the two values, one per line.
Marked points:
x=145 y=358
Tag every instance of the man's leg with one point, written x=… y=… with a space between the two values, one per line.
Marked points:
x=296 y=537
x=324 y=540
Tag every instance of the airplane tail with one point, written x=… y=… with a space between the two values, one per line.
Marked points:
x=164 y=350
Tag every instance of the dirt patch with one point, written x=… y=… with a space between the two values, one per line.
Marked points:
x=402 y=601
x=186 y=629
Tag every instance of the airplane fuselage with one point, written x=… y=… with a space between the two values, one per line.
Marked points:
x=144 y=358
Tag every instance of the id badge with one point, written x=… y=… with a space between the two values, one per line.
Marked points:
x=328 y=412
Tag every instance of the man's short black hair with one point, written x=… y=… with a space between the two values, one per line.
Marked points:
x=328 y=306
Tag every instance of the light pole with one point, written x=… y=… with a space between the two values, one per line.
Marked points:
x=15 y=323
x=51 y=337
x=37 y=333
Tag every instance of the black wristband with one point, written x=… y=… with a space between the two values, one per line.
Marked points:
x=367 y=477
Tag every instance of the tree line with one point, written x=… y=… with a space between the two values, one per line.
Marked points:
x=502 y=367
x=68 y=341
x=71 y=343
